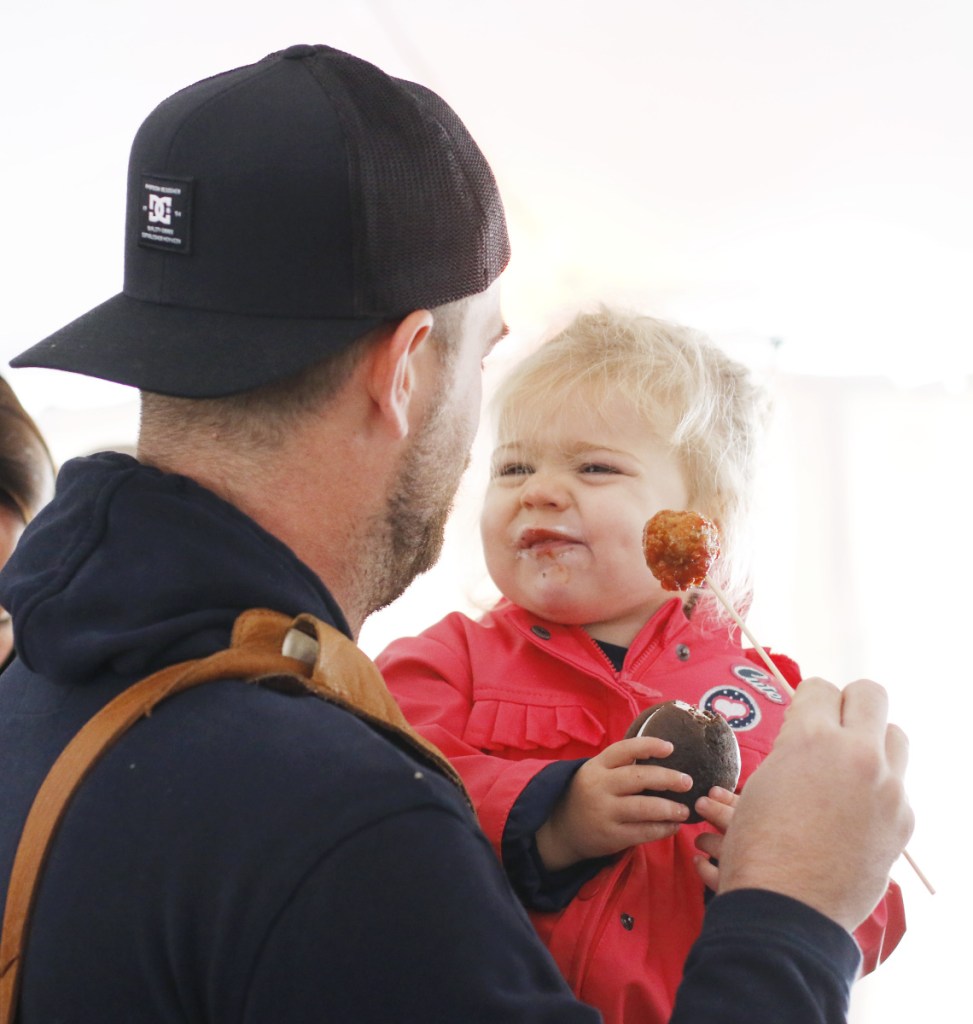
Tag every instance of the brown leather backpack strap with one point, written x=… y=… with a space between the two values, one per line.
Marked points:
x=344 y=674
x=326 y=662
x=76 y=761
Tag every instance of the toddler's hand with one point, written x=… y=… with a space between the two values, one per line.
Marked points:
x=604 y=810
x=716 y=808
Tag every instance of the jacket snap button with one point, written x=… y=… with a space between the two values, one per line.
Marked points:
x=544 y=634
x=682 y=652
x=628 y=922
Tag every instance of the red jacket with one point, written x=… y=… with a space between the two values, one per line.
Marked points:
x=506 y=696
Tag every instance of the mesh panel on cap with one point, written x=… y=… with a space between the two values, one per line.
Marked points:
x=430 y=226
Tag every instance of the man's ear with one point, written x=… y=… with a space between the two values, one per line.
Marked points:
x=391 y=373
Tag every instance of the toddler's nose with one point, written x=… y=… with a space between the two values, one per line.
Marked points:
x=544 y=490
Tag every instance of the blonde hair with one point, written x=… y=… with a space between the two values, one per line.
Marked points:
x=689 y=394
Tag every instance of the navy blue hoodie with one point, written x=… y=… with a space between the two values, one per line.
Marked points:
x=243 y=855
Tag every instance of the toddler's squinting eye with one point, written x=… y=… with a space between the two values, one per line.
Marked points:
x=512 y=469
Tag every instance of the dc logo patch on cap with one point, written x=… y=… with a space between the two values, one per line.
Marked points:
x=759 y=680
x=165 y=212
x=736 y=706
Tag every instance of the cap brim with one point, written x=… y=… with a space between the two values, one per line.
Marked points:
x=190 y=353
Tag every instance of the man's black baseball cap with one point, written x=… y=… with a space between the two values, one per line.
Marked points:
x=275 y=213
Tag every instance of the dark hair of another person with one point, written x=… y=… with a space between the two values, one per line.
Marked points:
x=27 y=469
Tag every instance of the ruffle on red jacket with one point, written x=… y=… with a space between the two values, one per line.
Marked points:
x=507 y=725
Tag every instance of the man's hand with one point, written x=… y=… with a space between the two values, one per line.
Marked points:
x=826 y=815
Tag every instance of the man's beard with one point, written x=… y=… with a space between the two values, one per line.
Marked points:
x=411 y=532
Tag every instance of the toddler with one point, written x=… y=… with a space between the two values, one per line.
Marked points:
x=615 y=418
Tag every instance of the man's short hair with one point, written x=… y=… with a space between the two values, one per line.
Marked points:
x=263 y=418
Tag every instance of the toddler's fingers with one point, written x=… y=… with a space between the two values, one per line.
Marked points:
x=716 y=812
x=723 y=796
x=624 y=752
x=710 y=843
x=708 y=872
x=641 y=809
x=635 y=833
x=651 y=778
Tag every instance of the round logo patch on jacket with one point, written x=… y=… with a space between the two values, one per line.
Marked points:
x=736 y=706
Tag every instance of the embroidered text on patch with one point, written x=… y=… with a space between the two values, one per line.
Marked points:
x=165 y=211
x=759 y=680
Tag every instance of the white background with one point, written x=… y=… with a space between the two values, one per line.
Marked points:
x=792 y=177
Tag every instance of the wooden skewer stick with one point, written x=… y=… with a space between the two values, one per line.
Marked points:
x=922 y=878
x=790 y=690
